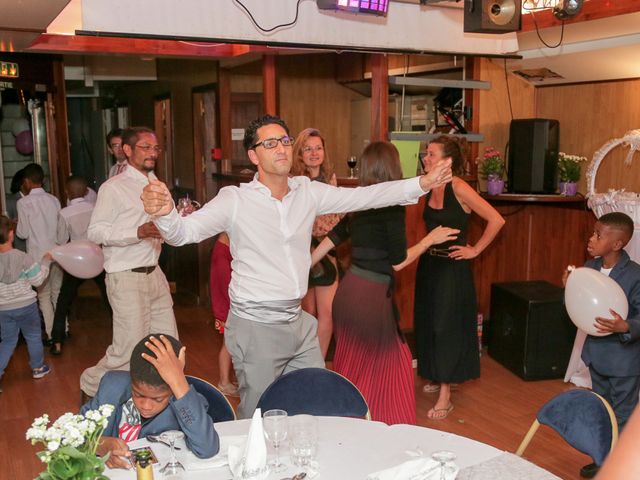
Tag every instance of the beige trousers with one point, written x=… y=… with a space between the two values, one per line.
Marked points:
x=48 y=296
x=142 y=305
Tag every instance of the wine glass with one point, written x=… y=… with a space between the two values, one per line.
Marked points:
x=185 y=206
x=173 y=468
x=351 y=162
x=443 y=457
x=275 y=430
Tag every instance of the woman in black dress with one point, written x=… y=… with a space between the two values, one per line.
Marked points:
x=445 y=299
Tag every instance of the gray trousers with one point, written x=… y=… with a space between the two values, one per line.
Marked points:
x=620 y=392
x=261 y=352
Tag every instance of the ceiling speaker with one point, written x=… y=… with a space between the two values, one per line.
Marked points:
x=492 y=16
x=567 y=9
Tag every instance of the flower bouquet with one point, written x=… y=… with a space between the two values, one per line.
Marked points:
x=569 y=172
x=491 y=168
x=71 y=444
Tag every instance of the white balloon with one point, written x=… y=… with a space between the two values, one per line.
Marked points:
x=80 y=258
x=590 y=294
x=20 y=125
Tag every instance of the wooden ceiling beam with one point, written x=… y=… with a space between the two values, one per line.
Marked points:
x=591 y=10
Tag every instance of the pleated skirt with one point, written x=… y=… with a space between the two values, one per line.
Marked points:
x=369 y=349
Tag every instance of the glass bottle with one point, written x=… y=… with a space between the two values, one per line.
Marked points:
x=144 y=469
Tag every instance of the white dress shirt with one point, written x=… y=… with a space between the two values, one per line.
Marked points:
x=91 y=196
x=73 y=221
x=114 y=224
x=117 y=168
x=37 y=221
x=270 y=239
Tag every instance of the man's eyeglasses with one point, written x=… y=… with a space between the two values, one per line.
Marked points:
x=149 y=148
x=316 y=149
x=115 y=146
x=270 y=143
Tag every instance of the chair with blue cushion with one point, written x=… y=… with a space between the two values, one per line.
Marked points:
x=315 y=391
x=220 y=410
x=583 y=419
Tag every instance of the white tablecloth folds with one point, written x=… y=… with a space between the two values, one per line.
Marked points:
x=417 y=469
x=348 y=448
x=250 y=459
x=508 y=466
x=191 y=462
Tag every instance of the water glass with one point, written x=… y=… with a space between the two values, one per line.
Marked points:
x=303 y=435
x=445 y=458
x=275 y=430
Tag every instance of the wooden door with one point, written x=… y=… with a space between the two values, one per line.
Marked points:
x=163 y=126
x=245 y=107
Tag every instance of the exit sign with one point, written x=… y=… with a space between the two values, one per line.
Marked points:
x=9 y=70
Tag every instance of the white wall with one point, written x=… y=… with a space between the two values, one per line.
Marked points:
x=407 y=26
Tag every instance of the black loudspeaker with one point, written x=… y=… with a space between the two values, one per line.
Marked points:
x=492 y=16
x=533 y=155
x=531 y=333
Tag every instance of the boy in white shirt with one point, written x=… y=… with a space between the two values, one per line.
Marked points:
x=73 y=222
x=37 y=223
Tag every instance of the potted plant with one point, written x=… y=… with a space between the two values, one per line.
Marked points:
x=569 y=172
x=70 y=445
x=491 y=168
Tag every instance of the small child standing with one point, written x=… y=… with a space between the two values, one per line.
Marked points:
x=18 y=305
x=614 y=360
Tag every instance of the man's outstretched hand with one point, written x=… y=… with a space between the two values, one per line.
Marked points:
x=438 y=176
x=156 y=199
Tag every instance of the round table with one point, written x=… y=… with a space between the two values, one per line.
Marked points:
x=348 y=448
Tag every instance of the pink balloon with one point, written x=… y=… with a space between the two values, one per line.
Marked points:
x=24 y=143
x=80 y=258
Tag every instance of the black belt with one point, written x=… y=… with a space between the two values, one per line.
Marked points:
x=146 y=270
x=439 y=252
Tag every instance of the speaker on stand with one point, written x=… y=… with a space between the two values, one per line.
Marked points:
x=492 y=16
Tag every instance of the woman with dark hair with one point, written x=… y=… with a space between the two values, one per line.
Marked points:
x=370 y=348
x=445 y=299
x=311 y=160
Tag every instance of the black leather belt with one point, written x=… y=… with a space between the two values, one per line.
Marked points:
x=439 y=252
x=146 y=270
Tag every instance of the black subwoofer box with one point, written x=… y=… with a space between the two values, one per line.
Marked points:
x=531 y=333
x=533 y=155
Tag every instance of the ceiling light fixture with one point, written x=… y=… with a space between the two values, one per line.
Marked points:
x=567 y=8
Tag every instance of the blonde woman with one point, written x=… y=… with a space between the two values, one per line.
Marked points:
x=311 y=160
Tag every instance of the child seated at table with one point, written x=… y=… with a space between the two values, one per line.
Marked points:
x=150 y=399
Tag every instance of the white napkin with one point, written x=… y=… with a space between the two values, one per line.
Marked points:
x=221 y=459
x=422 y=468
x=250 y=462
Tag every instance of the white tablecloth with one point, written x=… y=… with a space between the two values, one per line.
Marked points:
x=348 y=449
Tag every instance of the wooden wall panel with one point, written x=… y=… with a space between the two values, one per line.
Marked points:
x=310 y=97
x=494 y=113
x=590 y=115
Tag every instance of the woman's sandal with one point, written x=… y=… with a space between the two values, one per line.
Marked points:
x=431 y=388
x=440 y=413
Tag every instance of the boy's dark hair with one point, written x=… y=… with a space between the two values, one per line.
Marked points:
x=130 y=135
x=116 y=132
x=619 y=221
x=34 y=172
x=143 y=371
x=6 y=225
x=76 y=186
x=17 y=180
x=251 y=133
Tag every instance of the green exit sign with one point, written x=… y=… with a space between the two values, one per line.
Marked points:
x=9 y=70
